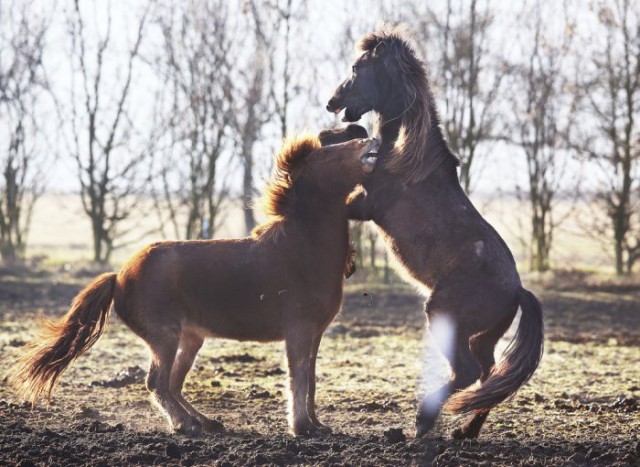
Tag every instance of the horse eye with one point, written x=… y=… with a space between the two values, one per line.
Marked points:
x=354 y=68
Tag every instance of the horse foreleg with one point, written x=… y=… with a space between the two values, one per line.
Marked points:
x=311 y=398
x=190 y=344
x=299 y=342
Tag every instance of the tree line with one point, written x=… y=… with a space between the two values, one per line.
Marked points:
x=174 y=102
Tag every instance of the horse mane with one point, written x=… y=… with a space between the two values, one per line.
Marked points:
x=420 y=146
x=279 y=198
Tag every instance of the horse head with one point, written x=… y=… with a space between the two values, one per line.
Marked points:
x=345 y=164
x=379 y=77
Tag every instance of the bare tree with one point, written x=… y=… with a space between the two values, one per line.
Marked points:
x=540 y=90
x=284 y=34
x=271 y=82
x=23 y=85
x=197 y=64
x=109 y=170
x=465 y=71
x=251 y=111
x=288 y=14
x=613 y=87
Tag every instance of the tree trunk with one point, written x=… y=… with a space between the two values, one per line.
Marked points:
x=540 y=241
x=372 y=249
x=8 y=252
x=97 y=245
x=619 y=252
x=247 y=177
x=387 y=275
x=465 y=175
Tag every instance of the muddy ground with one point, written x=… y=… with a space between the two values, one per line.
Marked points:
x=582 y=407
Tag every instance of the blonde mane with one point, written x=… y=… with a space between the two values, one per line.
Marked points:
x=278 y=198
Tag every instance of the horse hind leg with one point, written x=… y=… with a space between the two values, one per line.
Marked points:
x=190 y=344
x=163 y=344
x=465 y=372
x=483 y=348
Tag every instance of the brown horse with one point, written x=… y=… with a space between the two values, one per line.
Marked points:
x=283 y=283
x=440 y=240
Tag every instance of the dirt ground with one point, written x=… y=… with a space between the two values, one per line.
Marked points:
x=582 y=406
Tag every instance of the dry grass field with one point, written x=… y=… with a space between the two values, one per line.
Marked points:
x=581 y=407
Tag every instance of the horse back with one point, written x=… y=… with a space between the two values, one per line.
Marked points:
x=238 y=289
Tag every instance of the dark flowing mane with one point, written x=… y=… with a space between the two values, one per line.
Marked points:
x=420 y=146
x=278 y=198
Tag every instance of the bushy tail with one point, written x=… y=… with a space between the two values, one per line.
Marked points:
x=62 y=341
x=521 y=359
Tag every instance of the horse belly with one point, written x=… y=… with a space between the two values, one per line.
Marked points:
x=237 y=316
x=231 y=324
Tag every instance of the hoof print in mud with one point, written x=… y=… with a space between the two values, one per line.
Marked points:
x=394 y=435
x=213 y=426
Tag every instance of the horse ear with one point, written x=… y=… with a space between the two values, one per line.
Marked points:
x=379 y=50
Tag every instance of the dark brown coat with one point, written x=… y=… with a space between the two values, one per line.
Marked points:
x=441 y=242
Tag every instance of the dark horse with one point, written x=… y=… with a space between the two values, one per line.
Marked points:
x=283 y=283
x=440 y=240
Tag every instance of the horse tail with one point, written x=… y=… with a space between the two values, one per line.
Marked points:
x=63 y=340
x=521 y=358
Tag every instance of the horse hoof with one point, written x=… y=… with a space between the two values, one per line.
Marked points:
x=189 y=428
x=308 y=430
x=421 y=431
x=424 y=424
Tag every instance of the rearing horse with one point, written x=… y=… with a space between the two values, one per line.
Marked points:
x=438 y=237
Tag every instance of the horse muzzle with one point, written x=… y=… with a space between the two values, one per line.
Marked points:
x=334 y=106
x=370 y=158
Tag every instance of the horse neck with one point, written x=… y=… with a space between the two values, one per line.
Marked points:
x=321 y=223
x=388 y=129
x=389 y=124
